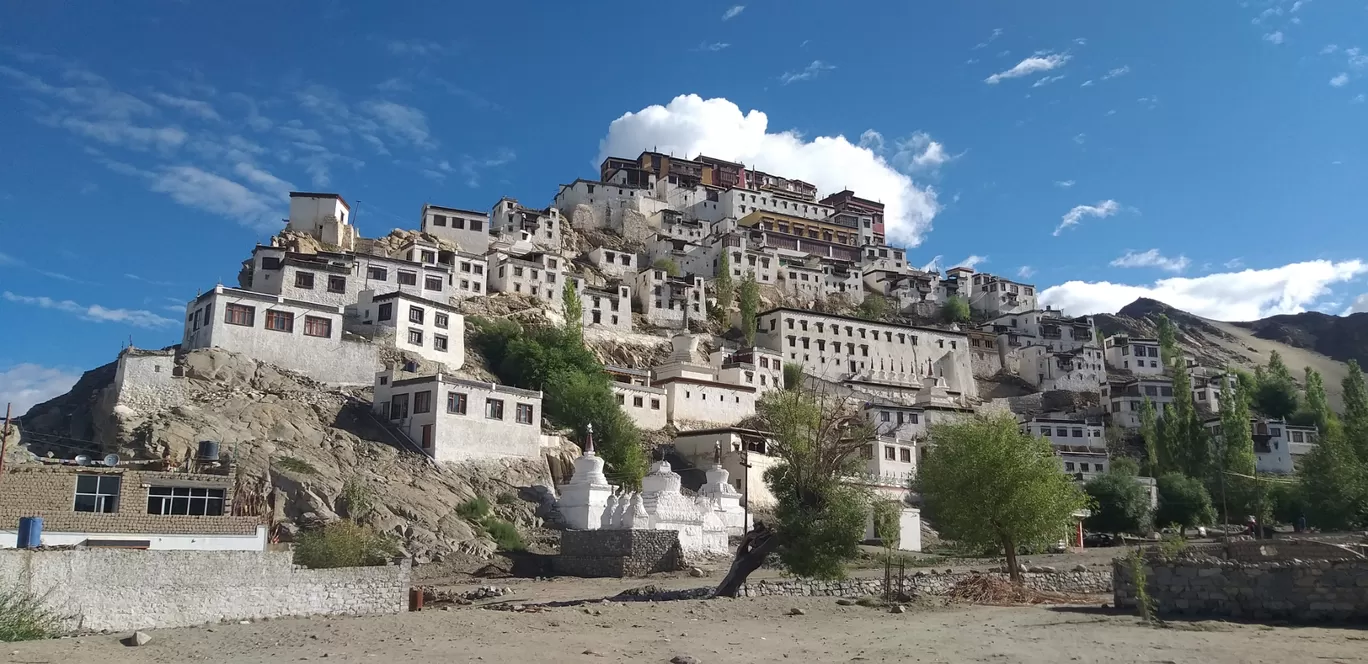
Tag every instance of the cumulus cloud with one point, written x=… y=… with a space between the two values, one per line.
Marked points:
x=917 y=152
x=1359 y=306
x=1102 y=210
x=1275 y=37
x=690 y=125
x=26 y=385
x=1034 y=64
x=1245 y=295
x=1340 y=80
x=93 y=312
x=1152 y=258
x=1064 y=184
x=733 y=12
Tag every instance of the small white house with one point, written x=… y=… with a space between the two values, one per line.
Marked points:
x=613 y=263
x=609 y=307
x=382 y=274
x=640 y=400
x=1134 y=354
x=433 y=330
x=1124 y=398
x=670 y=302
x=513 y=222
x=454 y=419
x=467 y=228
x=536 y=274
x=324 y=216
x=324 y=278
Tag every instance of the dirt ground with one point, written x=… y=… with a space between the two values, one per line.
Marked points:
x=713 y=632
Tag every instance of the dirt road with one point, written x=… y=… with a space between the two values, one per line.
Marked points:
x=718 y=631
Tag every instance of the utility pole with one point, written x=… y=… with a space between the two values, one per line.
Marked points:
x=4 y=438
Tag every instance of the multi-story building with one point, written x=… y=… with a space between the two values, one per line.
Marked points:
x=1067 y=431
x=641 y=401
x=1137 y=355
x=609 y=307
x=992 y=295
x=1080 y=369
x=694 y=393
x=815 y=278
x=1277 y=444
x=325 y=216
x=513 y=222
x=670 y=302
x=762 y=181
x=536 y=274
x=828 y=229
x=754 y=366
x=1123 y=398
x=434 y=330
x=846 y=202
x=453 y=419
x=325 y=278
x=384 y=274
x=468 y=229
x=613 y=263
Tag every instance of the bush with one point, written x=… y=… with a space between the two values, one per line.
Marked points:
x=507 y=498
x=504 y=535
x=474 y=510
x=874 y=307
x=356 y=497
x=295 y=465
x=24 y=617
x=668 y=265
x=793 y=376
x=1120 y=504
x=955 y=310
x=343 y=544
x=1183 y=502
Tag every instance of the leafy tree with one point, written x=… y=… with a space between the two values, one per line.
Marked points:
x=988 y=484
x=1186 y=440
x=1356 y=411
x=1317 y=404
x=873 y=307
x=1237 y=459
x=819 y=519
x=1276 y=394
x=1169 y=354
x=1183 y=502
x=668 y=265
x=1120 y=504
x=1116 y=441
x=955 y=310
x=1149 y=432
x=750 y=308
x=573 y=308
x=723 y=286
x=793 y=376
x=1332 y=484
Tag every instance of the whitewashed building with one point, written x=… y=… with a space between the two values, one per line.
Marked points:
x=326 y=217
x=453 y=419
x=987 y=293
x=1137 y=355
x=761 y=368
x=609 y=307
x=467 y=228
x=670 y=302
x=513 y=222
x=640 y=400
x=292 y=334
x=1078 y=370
x=536 y=274
x=433 y=330
x=325 y=278
x=1123 y=398
x=383 y=274
x=613 y=263
x=1277 y=444
x=745 y=456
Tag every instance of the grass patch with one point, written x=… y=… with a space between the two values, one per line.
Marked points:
x=504 y=534
x=343 y=544
x=294 y=465
x=507 y=498
x=475 y=509
x=23 y=617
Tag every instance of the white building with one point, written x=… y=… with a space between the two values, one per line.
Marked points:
x=432 y=281
x=325 y=278
x=469 y=276
x=536 y=274
x=607 y=201
x=291 y=334
x=1047 y=327
x=467 y=228
x=513 y=222
x=613 y=263
x=453 y=419
x=324 y=216
x=844 y=348
x=1078 y=370
x=1277 y=444
x=609 y=307
x=694 y=394
x=757 y=367
x=745 y=456
x=641 y=401
x=433 y=330
x=987 y=293
x=1124 y=398
x=1134 y=354
x=670 y=302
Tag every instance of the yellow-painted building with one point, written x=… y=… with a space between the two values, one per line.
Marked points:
x=801 y=227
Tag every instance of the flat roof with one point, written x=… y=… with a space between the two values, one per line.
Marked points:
x=266 y=297
x=741 y=430
x=862 y=321
x=452 y=209
x=451 y=380
x=310 y=194
x=408 y=296
x=700 y=381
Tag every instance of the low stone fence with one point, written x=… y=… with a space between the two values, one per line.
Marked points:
x=121 y=589
x=618 y=552
x=1294 y=590
x=931 y=583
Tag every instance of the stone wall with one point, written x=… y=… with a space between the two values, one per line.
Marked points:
x=147 y=381
x=923 y=583
x=1295 y=590
x=618 y=553
x=120 y=589
x=985 y=362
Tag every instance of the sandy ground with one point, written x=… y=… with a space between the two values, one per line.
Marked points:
x=716 y=631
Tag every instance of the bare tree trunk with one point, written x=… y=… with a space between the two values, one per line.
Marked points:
x=750 y=555
x=1012 y=569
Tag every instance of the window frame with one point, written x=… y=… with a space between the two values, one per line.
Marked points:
x=105 y=500
x=233 y=307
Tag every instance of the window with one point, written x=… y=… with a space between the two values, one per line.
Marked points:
x=456 y=403
x=408 y=278
x=439 y=343
x=439 y=220
x=905 y=454
x=426 y=440
x=432 y=283
x=416 y=315
x=184 y=500
x=399 y=406
x=655 y=404
x=280 y=321
x=415 y=337
x=337 y=284
x=1083 y=467
x=422 y=402
x=1068 y=466
x=1077 y=433
x=622 y=400
x=440 y=320
x=377 y=273
x=465 y=267
x=494 y=409
x=524 y=413
x=239 y=314
x=386 y=311
x=97 y=493
x=270 y=263
x=890 y=453
x=913 y=417
x=304 y=280
x=317 y=327
x=429 y=257
x=1062 y=432
x=883 y=416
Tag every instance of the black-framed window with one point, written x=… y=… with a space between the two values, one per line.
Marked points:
x=184 y=500
x=97 y=493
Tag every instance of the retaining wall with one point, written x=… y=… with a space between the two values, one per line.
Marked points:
x=618 y=553
x=923 y=583
x=112 y=589
x=1293 y=590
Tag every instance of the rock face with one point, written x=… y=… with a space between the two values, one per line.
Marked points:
x=1343 y=338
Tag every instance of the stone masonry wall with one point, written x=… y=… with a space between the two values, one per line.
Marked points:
x=113 y=589
x=923 y=583
x=1295 y=590
x=618 y=553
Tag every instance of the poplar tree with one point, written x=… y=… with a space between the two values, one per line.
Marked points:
x=723 y=285
x=1149 y=432
x=1356 y=411
x=750 y=308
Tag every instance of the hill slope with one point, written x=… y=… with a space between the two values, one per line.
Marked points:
x=1343 y=338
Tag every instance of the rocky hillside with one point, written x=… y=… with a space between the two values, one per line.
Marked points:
x=1218 y=344
x=297 y=443
x=1343 y=338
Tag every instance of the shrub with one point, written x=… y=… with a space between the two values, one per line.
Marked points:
x=508 y=498
x=343 y=544
x=504 y=535
x=474 y=510
x=955 y=310
x=295 y=465
x=23 y=617
x=356 y=497
x=670 y=267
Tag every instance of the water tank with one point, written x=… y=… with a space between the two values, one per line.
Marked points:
x=30 y=534
x=208 y=450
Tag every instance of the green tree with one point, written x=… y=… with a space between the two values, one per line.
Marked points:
x=1276 y=394
x=1332 y=484
x=750 y=308
x=1183 y=502
x=668 y=265
x=988 y=484
x=343 y=543
x=1235 y=477
x=723 y=286
x=1356 y=411
x=1149 y=432
x=955 y=309
x=1169 y=355
x=573 y=308
x=793 y=376
x=1120 y=504
x=873 y=307
x=819 y=519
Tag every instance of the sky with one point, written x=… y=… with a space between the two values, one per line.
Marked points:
x=1211 y=154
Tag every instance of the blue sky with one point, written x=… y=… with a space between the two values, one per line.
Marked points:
x=1212 y=154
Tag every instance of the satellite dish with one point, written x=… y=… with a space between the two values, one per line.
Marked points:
x=82 y=460
x=111 y=460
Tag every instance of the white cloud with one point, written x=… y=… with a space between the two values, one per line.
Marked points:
x=403 y=122
x=473 y=168
x=714 y=47
x=201 y=109
x=1119 y=71
x=690 y=125
x=1328 y=49
x=971 y=261
x=1234 y=264
x=1275 y=37
x=26 y=385
x=1152 y=258
x=197 y=188
x=1359 y=306
x=933 y=265
x=1357 y=58
x=997 y=32
x=1102 y=210
x=808 y=72
x=94 y=312
x=416 y=47
x=1031 y=65
x=6 y=259
x=1081 y=41
x=1047 y=80
x=1340 y=80
x=916 y=153
x=733 y=12
x=1080 y=138
x=1064 y=184
x=1086 y=84
x=1246 y=295
x=1359 y=98
x=262 y=179
x=1026 y=272
x=1297 y=5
